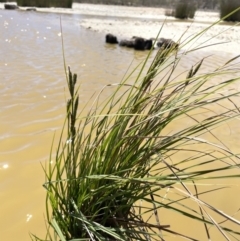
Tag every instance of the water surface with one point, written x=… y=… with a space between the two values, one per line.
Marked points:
x=32 y=103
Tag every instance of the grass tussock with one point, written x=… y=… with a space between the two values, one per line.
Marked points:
x=121 y=163
x=45 y=3
x=184 y=9
x=227 y=7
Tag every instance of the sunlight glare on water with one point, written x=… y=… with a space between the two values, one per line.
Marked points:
x=33 y=95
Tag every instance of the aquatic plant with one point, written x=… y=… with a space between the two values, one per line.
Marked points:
x=118 y=167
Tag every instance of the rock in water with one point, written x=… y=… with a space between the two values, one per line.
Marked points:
x=166 y=43
x=111 y=39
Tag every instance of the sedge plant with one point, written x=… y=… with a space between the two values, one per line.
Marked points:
x=122 y=163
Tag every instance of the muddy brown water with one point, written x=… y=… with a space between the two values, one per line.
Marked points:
x=32 y=109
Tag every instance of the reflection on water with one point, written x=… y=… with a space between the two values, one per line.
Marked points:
x=32 y=103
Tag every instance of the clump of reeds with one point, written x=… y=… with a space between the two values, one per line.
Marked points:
x=117 y=164
x=45 y=3
x=227 y=7
x=183 y=9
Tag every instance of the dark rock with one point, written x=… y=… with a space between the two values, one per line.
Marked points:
x=127 y=43
x=137 y=43
x=10 y=6
x=166 y=43
x=111 y=39
x=142 y=43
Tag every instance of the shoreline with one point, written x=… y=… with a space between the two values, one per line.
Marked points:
x=128 y=21
x=122 y=11
x=151 y=21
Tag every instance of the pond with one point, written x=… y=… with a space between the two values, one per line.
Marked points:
x=33 y=96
